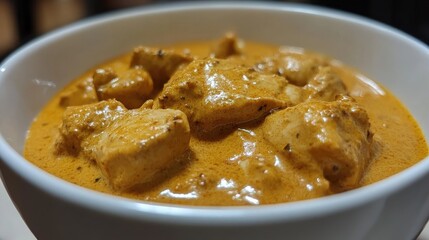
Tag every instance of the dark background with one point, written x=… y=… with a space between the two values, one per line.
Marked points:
x=22 y=20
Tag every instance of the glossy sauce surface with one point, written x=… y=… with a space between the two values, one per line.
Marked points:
x=237 y=167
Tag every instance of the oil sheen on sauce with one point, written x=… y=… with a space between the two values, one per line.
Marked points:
x=238 y=168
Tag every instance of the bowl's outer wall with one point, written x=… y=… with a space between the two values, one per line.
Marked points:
x=27 y=84
x=51 y=219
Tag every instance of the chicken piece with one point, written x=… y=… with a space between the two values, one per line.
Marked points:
x=103 y=76
x=133 y=149
x=333 y=138
x=297 y=68
x=312 y=72
x=161 y=64
x=227 y=46
x=79 y=122
x=132 y=87
x=129 y=146
x=325 y=85
x=215 y=93
x=80 y=94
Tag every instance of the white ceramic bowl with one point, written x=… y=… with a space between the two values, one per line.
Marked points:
x=395 y=208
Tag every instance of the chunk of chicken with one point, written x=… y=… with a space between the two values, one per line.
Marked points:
x=80 y=94
x=79 y=122
x=229 y=45
x=333 y=138
x=129 y=146
x=297 y=68
x=325 y=85
x=133 y=149
x=161 y=64
x=132 y=87
x=215 y=93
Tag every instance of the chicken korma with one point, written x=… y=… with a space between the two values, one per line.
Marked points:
x=224 y=122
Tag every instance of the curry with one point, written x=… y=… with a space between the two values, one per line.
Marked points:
x=224 y=122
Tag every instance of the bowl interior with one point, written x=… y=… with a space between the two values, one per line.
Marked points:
x=30 y=77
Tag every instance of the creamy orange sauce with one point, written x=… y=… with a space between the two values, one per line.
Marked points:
x=238 y=168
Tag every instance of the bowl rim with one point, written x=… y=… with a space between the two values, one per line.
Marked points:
x=206 y=215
